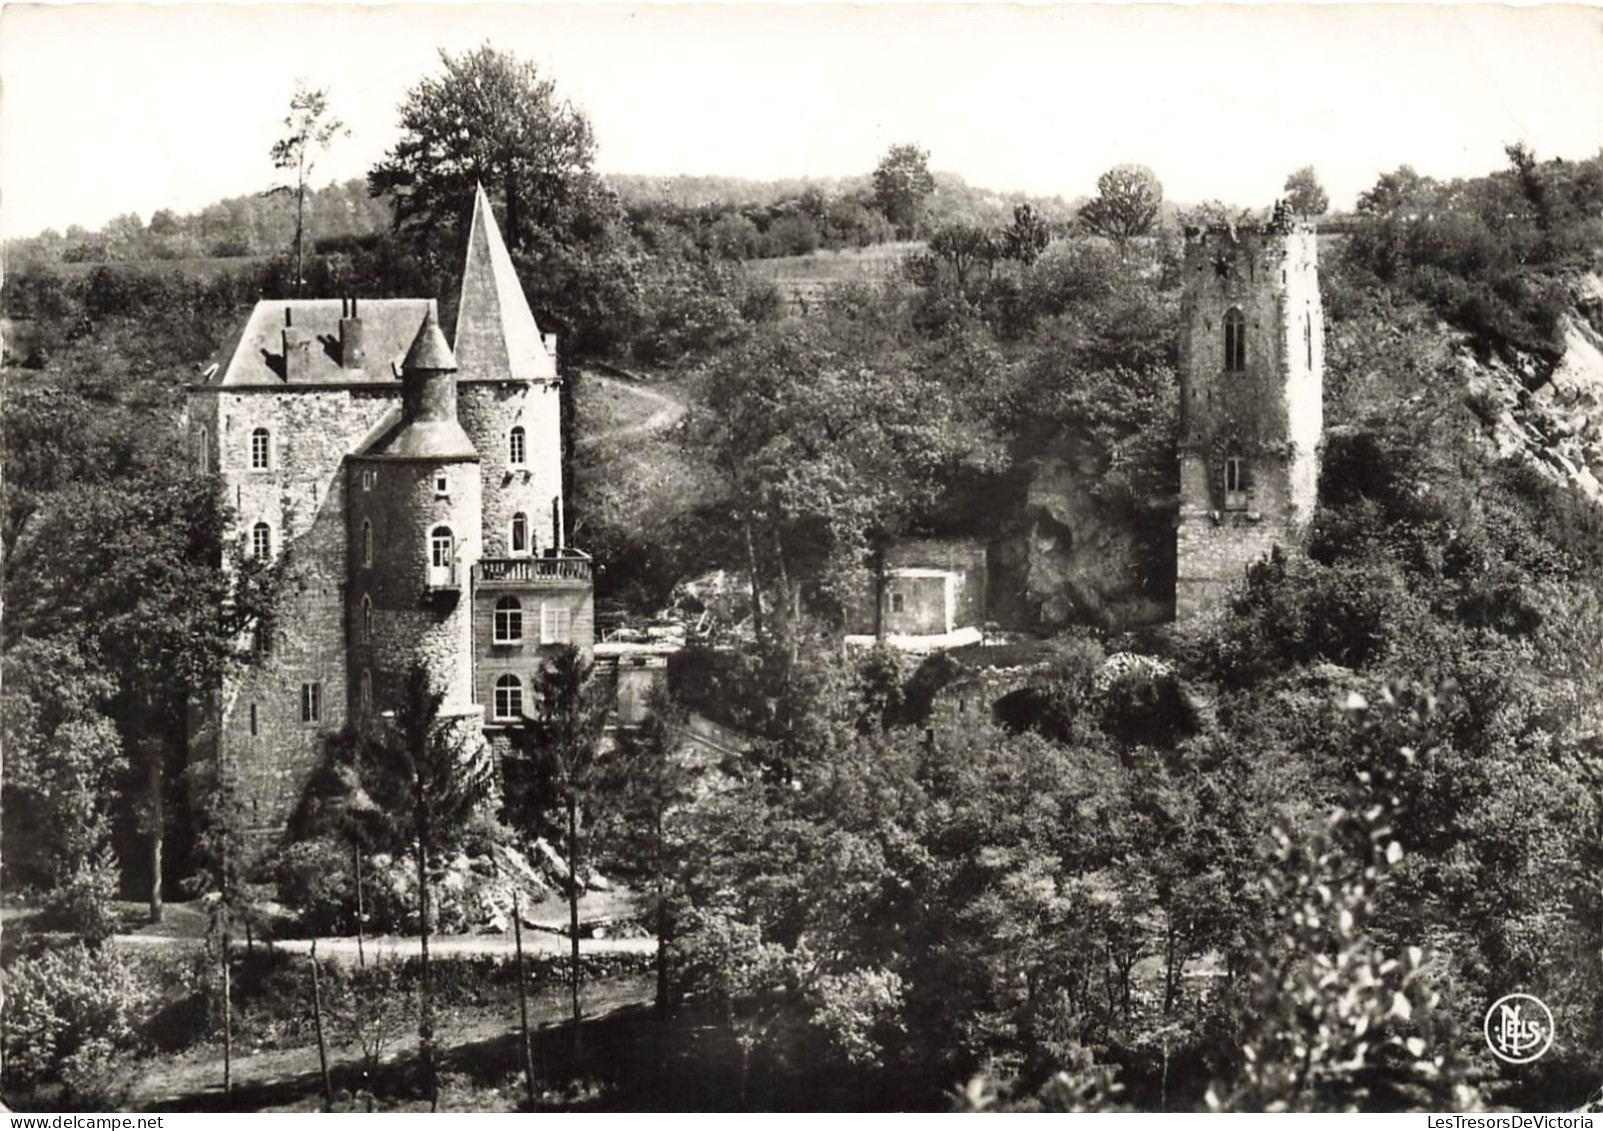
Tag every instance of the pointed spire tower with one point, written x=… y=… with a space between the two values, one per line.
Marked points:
x=496 y=335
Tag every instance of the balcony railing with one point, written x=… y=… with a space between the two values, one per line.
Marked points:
x=569 y=565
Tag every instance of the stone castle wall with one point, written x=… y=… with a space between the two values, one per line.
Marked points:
x=411 y=623
x=268 y=750
x=488 y=411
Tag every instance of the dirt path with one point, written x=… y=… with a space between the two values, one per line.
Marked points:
x=668 y=412
x=287 y=1077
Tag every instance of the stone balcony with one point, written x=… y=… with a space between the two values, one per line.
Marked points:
x=564 y=568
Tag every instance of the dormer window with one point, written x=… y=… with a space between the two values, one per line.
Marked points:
x=1235 y=342
x=260 y=449
x=442 y=483
x=517 y=454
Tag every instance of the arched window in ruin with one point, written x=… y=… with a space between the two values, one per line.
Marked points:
x=1235 y=483
x=367 y=619
x=1235 y=341
x=508 y=706
x=508 y=621
x=367 y=692
x=520 y=533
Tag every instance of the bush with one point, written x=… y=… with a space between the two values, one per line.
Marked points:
x=69 y=1013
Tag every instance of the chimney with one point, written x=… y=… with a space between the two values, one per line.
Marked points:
x=353 y=354
x=297 y=349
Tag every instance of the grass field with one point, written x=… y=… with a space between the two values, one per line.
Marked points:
x=866 y=264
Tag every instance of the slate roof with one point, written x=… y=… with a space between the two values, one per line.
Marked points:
x=496 y=335
x=429 y=349
x=388 y=328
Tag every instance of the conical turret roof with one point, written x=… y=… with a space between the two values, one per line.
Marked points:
x=429 y=349
x=496 y=335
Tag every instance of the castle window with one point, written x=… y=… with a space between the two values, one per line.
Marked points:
x=441 y=565
x=517 y=455
x=203 y=452
x=261 y=541
x=520 y=533
x=253 y=731
x=556 y=625
x=508 y=621
x=442 y=483
x=260 y=449
x=508 y=698
x=367 y=542
x=261 y=639
x=311 y=702
x=369 y=478
x=1235 y=342
x=367 y=692
x=367 y=618
x=1235 y=484
x=898 y=602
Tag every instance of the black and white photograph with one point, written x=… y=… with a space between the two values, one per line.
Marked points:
x=898 y=557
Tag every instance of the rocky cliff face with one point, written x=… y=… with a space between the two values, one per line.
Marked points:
x=1550 y=415
x=1070 y=558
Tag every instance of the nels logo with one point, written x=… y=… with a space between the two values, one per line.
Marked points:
x=1519 y=1028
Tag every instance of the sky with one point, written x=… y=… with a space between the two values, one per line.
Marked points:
x=108 y=109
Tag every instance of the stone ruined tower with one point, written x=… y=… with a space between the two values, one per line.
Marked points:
x=414 y=525
x=1251 y=417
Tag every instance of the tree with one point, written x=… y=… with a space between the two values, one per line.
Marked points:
x=312 y=128
x=494 y=120
x=490 y=119
x=902 y=183
x=964 y=247
x=427 y=775
x=1305 y=195
x=1126 y=204
x=557 y=765
x=652 y=786
x=1027 y=237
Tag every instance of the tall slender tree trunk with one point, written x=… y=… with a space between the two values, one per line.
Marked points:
x=662 y=910
x=425 y=1023
x=317 y=1019
x=574 y=890
x=300 y=227
x=228 y=1016
x=756 y=591
x=523 y=998
x=158 y=823
x=361 y=951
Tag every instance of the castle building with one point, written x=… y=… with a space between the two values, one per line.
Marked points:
x=411 y=490
x=1251 y=415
